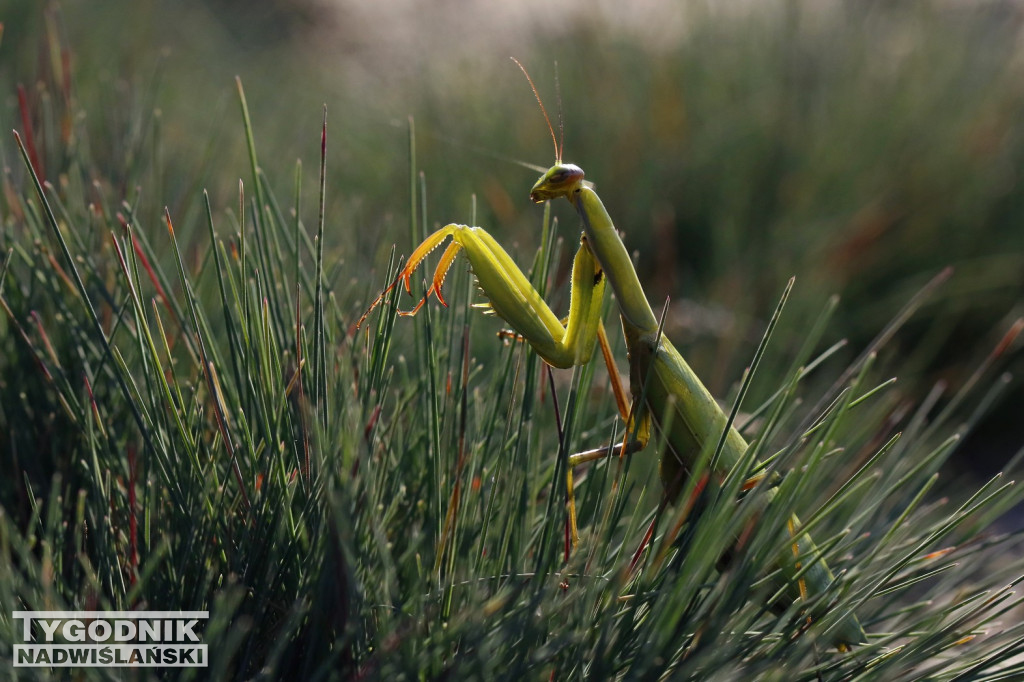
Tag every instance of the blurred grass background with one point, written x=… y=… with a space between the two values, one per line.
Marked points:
x=860 y=145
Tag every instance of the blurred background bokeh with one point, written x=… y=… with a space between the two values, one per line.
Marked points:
x=861 y=146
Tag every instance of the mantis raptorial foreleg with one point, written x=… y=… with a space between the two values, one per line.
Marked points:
x=511 y=295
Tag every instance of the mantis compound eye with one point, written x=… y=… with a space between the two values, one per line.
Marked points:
x=566 y=173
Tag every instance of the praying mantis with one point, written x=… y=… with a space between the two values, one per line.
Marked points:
x=668 y=398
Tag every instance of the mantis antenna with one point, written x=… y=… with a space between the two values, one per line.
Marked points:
x=558 y=144
x=561 y=121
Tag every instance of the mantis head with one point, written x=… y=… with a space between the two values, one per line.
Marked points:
x=561 y=180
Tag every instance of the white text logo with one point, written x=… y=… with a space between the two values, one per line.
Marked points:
x=127 y=639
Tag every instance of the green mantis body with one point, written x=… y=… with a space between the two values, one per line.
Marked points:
x=660 y=379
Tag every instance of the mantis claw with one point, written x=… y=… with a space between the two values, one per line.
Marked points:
x=405 y=274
